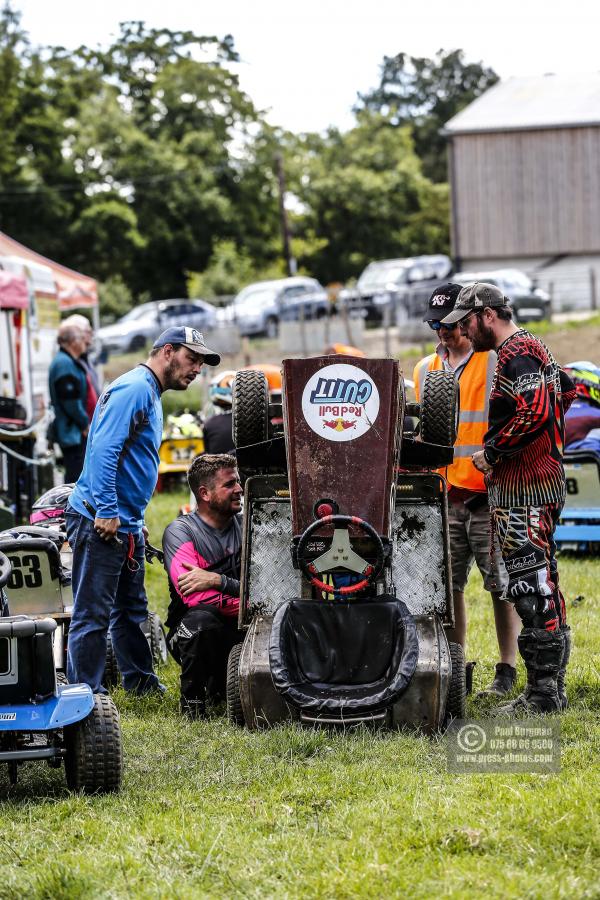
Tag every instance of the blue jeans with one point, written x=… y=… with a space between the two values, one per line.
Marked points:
x=107 y=594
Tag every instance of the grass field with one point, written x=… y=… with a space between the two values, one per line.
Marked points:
x=207 y=810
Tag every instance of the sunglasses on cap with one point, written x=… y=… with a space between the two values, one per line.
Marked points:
x=435 y=326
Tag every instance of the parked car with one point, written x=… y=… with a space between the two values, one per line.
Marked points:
x=397 y=286
x=144 y=323
x=260 y=307
x=529 y=303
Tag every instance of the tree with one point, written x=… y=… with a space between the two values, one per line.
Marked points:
x=228 y=271
x=366 y=198
x=426 y=93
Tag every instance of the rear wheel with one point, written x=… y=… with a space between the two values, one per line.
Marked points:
x=155 y=633
x=138 y=342
x=235 y=713
x=440 y=406
x=250 y=419
x=272 y=328
x=94 y=758
x=112 y=675
x=457 y=695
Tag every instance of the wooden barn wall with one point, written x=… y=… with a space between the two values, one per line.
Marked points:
x=526 y=193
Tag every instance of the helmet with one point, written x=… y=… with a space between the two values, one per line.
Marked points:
x=51 y=505
x=220 y=389
x=586 y=378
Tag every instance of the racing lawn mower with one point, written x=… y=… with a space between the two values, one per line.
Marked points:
x=43 y=719
x=345 y=582
x=40 y=582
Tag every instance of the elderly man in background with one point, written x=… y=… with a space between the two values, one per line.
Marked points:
x=67 y=383
x=93 y=379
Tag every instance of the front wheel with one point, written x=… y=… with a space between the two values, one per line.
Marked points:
x=94 y=751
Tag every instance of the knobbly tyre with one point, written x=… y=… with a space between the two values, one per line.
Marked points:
x=43 y=719
x=40 y=582
x=345 y=583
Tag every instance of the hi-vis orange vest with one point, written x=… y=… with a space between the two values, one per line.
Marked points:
x=475 y=385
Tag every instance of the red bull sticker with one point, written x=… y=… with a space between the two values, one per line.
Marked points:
x=340 y=402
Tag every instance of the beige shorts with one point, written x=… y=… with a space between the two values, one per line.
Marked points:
x=470 y=534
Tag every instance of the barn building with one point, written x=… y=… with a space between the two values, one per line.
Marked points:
x=524 y=169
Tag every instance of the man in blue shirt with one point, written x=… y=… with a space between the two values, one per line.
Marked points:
x=105 y=515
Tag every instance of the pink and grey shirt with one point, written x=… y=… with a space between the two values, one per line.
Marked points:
x=190 y=540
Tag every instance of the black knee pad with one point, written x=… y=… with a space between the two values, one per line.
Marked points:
x=527 y=607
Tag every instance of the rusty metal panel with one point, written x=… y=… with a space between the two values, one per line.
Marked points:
x=270 y=579
x=419 y=558
x=341 y=423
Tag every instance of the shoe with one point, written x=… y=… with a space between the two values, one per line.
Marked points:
x=503 y=683
x=543 y=653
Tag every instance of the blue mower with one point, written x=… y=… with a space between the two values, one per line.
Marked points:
x=42 y=719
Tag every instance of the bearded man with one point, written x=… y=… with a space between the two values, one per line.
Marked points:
x=522 y=463
x=105 y=514
x=202 y=559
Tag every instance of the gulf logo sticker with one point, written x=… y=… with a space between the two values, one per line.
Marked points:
x=340 y=402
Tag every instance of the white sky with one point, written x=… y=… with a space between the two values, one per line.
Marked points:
x=306 y=61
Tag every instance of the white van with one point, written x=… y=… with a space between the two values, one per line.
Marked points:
x=27 y=348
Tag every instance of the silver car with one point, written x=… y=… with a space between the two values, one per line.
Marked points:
x=260 y=307
x=144 y=323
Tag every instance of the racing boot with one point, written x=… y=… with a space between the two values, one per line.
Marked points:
x=560 y=680
x=503 y=683
x=542 y=652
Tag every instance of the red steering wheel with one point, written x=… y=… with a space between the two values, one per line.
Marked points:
x=370 y=571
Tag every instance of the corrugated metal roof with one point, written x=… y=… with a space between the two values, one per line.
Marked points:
x=538 y=101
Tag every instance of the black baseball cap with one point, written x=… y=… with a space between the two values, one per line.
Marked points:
x=190 y=338
x=475 y=296
x=442 y=301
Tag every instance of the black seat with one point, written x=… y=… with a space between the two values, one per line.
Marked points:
x=343 y=657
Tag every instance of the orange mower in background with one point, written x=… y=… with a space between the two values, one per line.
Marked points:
x=344 y=350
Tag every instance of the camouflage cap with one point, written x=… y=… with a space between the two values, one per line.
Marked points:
x=473 y=297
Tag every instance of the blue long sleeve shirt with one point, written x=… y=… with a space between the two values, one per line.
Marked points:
x=121 y=460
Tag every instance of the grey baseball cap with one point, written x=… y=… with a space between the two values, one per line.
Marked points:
x=190 y=338
x=473 y=297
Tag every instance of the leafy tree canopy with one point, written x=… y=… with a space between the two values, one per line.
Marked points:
x=426 y=93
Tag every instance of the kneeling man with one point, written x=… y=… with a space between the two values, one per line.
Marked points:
x=202 y=559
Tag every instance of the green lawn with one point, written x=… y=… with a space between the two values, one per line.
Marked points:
x=210 y=811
